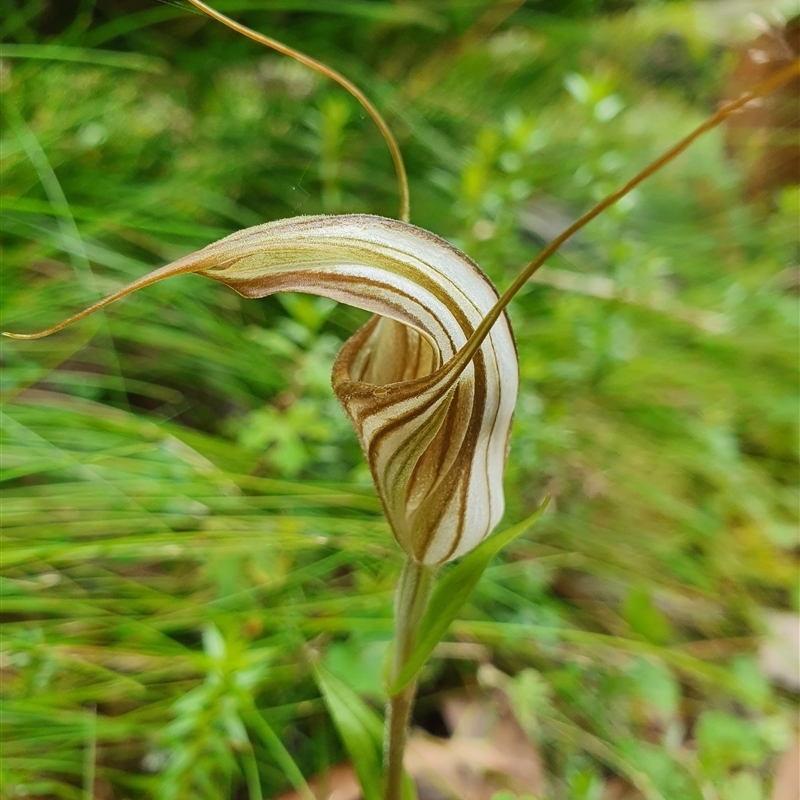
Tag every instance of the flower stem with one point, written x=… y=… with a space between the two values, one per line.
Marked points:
x=411 y=600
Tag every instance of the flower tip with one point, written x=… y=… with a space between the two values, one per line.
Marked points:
x=39 y=335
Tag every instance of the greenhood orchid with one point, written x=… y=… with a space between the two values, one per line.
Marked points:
x=434 y=429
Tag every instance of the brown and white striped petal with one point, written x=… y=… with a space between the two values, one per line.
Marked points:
x=434 y=434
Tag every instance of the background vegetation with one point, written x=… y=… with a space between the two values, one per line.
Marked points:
x=187 y=518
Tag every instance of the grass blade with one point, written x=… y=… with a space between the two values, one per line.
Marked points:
x=360 y=728
x=278 y=751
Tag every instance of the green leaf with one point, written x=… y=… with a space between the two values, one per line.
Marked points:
x=213 y=643
x=276 y=749
x=530 y=694
x=360 y=728
x=358 y=661
x=409 y=788
x=86 y=55
x=654 y=684
x=725 y=741
x=452 y=592
x=755 y=688
x=645 y=618
x=742 y=786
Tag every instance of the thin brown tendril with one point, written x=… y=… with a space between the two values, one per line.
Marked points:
x=466 y=353
x=324 y=69
x=464 y=356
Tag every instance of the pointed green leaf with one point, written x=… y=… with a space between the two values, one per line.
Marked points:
x=409 y=788
x=276 y=748
x=359 y=726
x=451 y=593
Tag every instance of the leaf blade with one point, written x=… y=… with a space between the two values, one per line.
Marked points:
x=278 y=751
x=451 y=593
x=360 y=728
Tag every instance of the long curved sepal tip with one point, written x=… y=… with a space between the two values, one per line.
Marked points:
x=180 y=267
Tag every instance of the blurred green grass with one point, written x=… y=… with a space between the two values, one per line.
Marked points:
x=187 y=521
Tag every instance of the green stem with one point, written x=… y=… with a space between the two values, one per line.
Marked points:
x=90 y=755
x=411 y=600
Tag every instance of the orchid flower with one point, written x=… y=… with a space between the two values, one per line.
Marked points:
x=434 y=429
